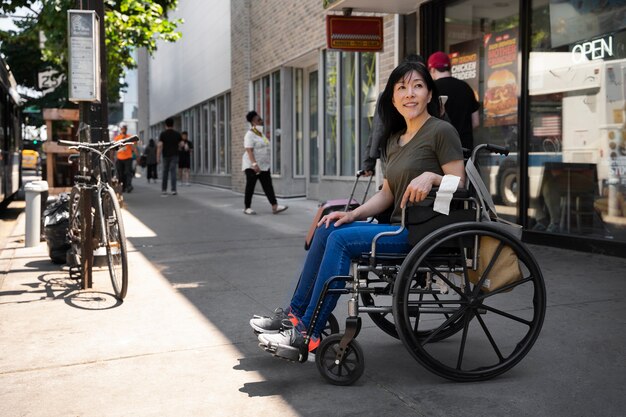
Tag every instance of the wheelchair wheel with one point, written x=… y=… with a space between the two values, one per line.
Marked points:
x=385 y=322
x=488 y=332
x=351 y=367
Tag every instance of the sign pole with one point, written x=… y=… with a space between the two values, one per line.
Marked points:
x=88 y=88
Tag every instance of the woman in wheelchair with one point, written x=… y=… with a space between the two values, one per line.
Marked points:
x=419 y=151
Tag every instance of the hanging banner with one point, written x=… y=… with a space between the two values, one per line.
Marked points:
x=354 y=33
x=84 y=55
x=464 y=63
x=500 y=103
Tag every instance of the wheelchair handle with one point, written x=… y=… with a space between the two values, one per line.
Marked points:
x=502 y=150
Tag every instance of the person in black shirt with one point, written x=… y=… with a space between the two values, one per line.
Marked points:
x=168 y=148
x=461 y=106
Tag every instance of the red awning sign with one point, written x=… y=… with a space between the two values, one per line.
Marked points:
x=354 y=33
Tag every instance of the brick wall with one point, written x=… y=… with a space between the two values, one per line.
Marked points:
x=239 y=75
x=265 y=36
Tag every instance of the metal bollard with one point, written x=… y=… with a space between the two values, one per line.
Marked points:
x=33 y=191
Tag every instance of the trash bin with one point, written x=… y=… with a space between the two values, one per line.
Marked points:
x=56 y=226
x=36 y=196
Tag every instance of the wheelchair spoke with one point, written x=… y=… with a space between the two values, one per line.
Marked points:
x=505 y=288
x=463 y=340
x=417 y=316
x=490 y=337
x=443 y=326
x=510 y=316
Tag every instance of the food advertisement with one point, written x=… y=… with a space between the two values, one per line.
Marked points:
x=500 y=73
x=464 y=63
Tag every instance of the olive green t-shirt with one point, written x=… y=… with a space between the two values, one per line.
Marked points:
x=435 y=144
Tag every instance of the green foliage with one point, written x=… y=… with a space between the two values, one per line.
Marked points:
x=128 y=25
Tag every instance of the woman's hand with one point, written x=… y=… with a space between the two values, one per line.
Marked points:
x=418 y=188
x=338 y=217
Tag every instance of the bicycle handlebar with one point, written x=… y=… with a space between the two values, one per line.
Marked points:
x=114 y=144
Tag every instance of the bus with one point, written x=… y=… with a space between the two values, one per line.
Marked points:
x=10 y=136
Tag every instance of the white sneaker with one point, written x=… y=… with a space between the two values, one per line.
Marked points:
x=284 y=338
x=249 y=211
x=279 y=209
x=267 y=324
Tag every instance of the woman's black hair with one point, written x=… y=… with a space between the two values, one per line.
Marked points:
x=151 y=143
x=251 y=115
x=392 y=120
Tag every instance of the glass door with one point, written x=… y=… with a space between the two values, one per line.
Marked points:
x=312 y=131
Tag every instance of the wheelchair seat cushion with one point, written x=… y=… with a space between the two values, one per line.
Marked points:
x=421 y=220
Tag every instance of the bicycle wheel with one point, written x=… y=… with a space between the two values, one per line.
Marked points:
x=73 y=233
x=115 y=242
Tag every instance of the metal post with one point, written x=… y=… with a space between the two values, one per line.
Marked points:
x=96 y=117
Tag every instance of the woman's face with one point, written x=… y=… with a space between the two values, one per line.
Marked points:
x=411 y=95
x=257 y=121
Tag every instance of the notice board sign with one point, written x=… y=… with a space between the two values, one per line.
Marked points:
x=84 y=55
x=354 y=33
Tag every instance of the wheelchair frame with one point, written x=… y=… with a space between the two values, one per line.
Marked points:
x=433 y=299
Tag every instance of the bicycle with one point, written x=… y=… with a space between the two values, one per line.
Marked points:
x=104 y=214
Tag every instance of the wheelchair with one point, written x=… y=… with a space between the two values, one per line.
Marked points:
x=448 y=300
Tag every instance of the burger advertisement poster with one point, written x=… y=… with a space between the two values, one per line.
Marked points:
x=464 y=63
x=500 y=103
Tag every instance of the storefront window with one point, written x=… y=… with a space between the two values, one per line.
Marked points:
x=483 y=43
x=369 y=95
x=350 y=97
x=577 y=73
x=348 y=112
x=214 y=133
x=313 y=128
x=266 y=98
x=298 y=118
x=330 y=116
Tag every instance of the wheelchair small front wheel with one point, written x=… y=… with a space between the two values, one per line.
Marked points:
x=344 y=372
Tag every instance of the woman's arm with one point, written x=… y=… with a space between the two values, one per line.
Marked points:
x=377 y=204
x=250 y=152
x=419 y=188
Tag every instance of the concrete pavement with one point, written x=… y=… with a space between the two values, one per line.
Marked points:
x=180 y=343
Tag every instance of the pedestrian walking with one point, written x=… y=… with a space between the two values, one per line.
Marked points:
x=461 y=105
x=124 y=161
x=151 y=161
x=256 y=164
x=168 y=149
x=184 y=158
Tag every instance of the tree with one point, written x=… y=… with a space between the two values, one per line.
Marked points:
x=129 y=24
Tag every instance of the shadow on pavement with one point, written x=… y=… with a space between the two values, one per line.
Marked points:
x=230 y=266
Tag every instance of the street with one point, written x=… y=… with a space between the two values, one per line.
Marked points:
x=180 y=343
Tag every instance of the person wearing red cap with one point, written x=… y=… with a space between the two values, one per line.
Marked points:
x=461 y=106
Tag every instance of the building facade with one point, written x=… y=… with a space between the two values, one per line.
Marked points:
x=551 y=78
x=549 y=74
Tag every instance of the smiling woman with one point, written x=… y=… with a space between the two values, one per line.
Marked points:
x=420 y=150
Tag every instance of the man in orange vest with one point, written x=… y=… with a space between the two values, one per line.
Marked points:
x=124 y=161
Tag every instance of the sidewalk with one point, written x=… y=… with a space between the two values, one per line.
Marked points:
x=179 y=345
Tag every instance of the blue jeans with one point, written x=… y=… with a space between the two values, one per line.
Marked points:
x=330 y=254
x=170 y=165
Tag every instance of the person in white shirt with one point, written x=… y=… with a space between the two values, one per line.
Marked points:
x=256 y=164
